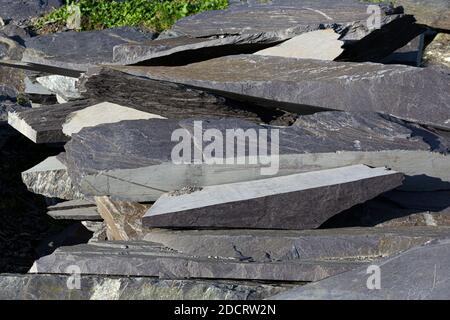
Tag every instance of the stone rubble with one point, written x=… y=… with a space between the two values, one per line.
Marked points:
x=357 y=121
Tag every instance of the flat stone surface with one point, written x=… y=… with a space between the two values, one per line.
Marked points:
x=122 y=217
x=65 y=87
x=24 y=10
x=307 y=200
x=433 y=13
x=72 y=204
x=292 y=84
x=420 y=273
x=104 y=112
x=74 y=50
x=44 y=124
x=320 y=44
x=170 y=100
x=50 y=178
x=283 y=245
x=153 y=260
x=54 y=287
x=80 y=214
x=127 y=167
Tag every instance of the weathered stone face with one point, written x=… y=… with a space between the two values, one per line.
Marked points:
x=307 y=200
x=74 y=50
x=25 y=10
x=438 y=51
x=411 y=275
x=292 y=84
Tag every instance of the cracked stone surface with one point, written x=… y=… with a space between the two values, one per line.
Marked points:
x=154 y=260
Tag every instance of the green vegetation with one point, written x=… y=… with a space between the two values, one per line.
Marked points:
x=157 y=15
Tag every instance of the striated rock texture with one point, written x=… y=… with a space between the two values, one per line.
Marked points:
x=74 y=50
x=54 y=287
x=128 y=167
x=171 y=100
x=154 y=260
x=307 y=200
x=433 y=13
x=292 y=84
x=421 y=273
x=50 y=178
x=124 y=218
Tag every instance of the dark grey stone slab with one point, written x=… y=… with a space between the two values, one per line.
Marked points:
x=283 y=245
x=433 y=13
x=421 y=273
x=25 y=10
x=115 y=160
x=410 y=54
x=292 y=84
x=74 y=50
x=360 y=44
x=55 y=287
x=153 y=260
x=307 y=200
x=171 y=100
x=44 y=124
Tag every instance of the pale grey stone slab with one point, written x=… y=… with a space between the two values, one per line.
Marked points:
x=299 y=201
x=54 y=287
x=79 y=214
x=282 y=245
x=137 y=169
x=421 y=273
x=292 y=84
x=153 y=260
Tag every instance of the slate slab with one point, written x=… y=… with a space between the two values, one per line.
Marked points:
x=292 y=84
x=21 y=11
x=81 y=210
x=136 y=169
x=307 y=200
x=74 y=50
x=421 y=273
x=153 y=260
x=54 y=287
x=282 y=245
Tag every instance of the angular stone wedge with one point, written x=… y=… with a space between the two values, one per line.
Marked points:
x=415 y=94
x=153 y=260
x=74 y=50
x=54 y=287
x=300 y=201
x=124 y=165
x=421 y=273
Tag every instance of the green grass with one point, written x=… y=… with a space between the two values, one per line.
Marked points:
x=157 y=15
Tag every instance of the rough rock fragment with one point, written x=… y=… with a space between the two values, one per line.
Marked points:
x=81 y=210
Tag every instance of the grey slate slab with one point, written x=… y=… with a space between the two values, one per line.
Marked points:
x=421 y=273
x=137 y=169
x=54 y=287
x=25 y=10
x=153 y=260
x=75 y=50
x=415 y=94
x=78 y=213
x=282 y=245
x=306 y=200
